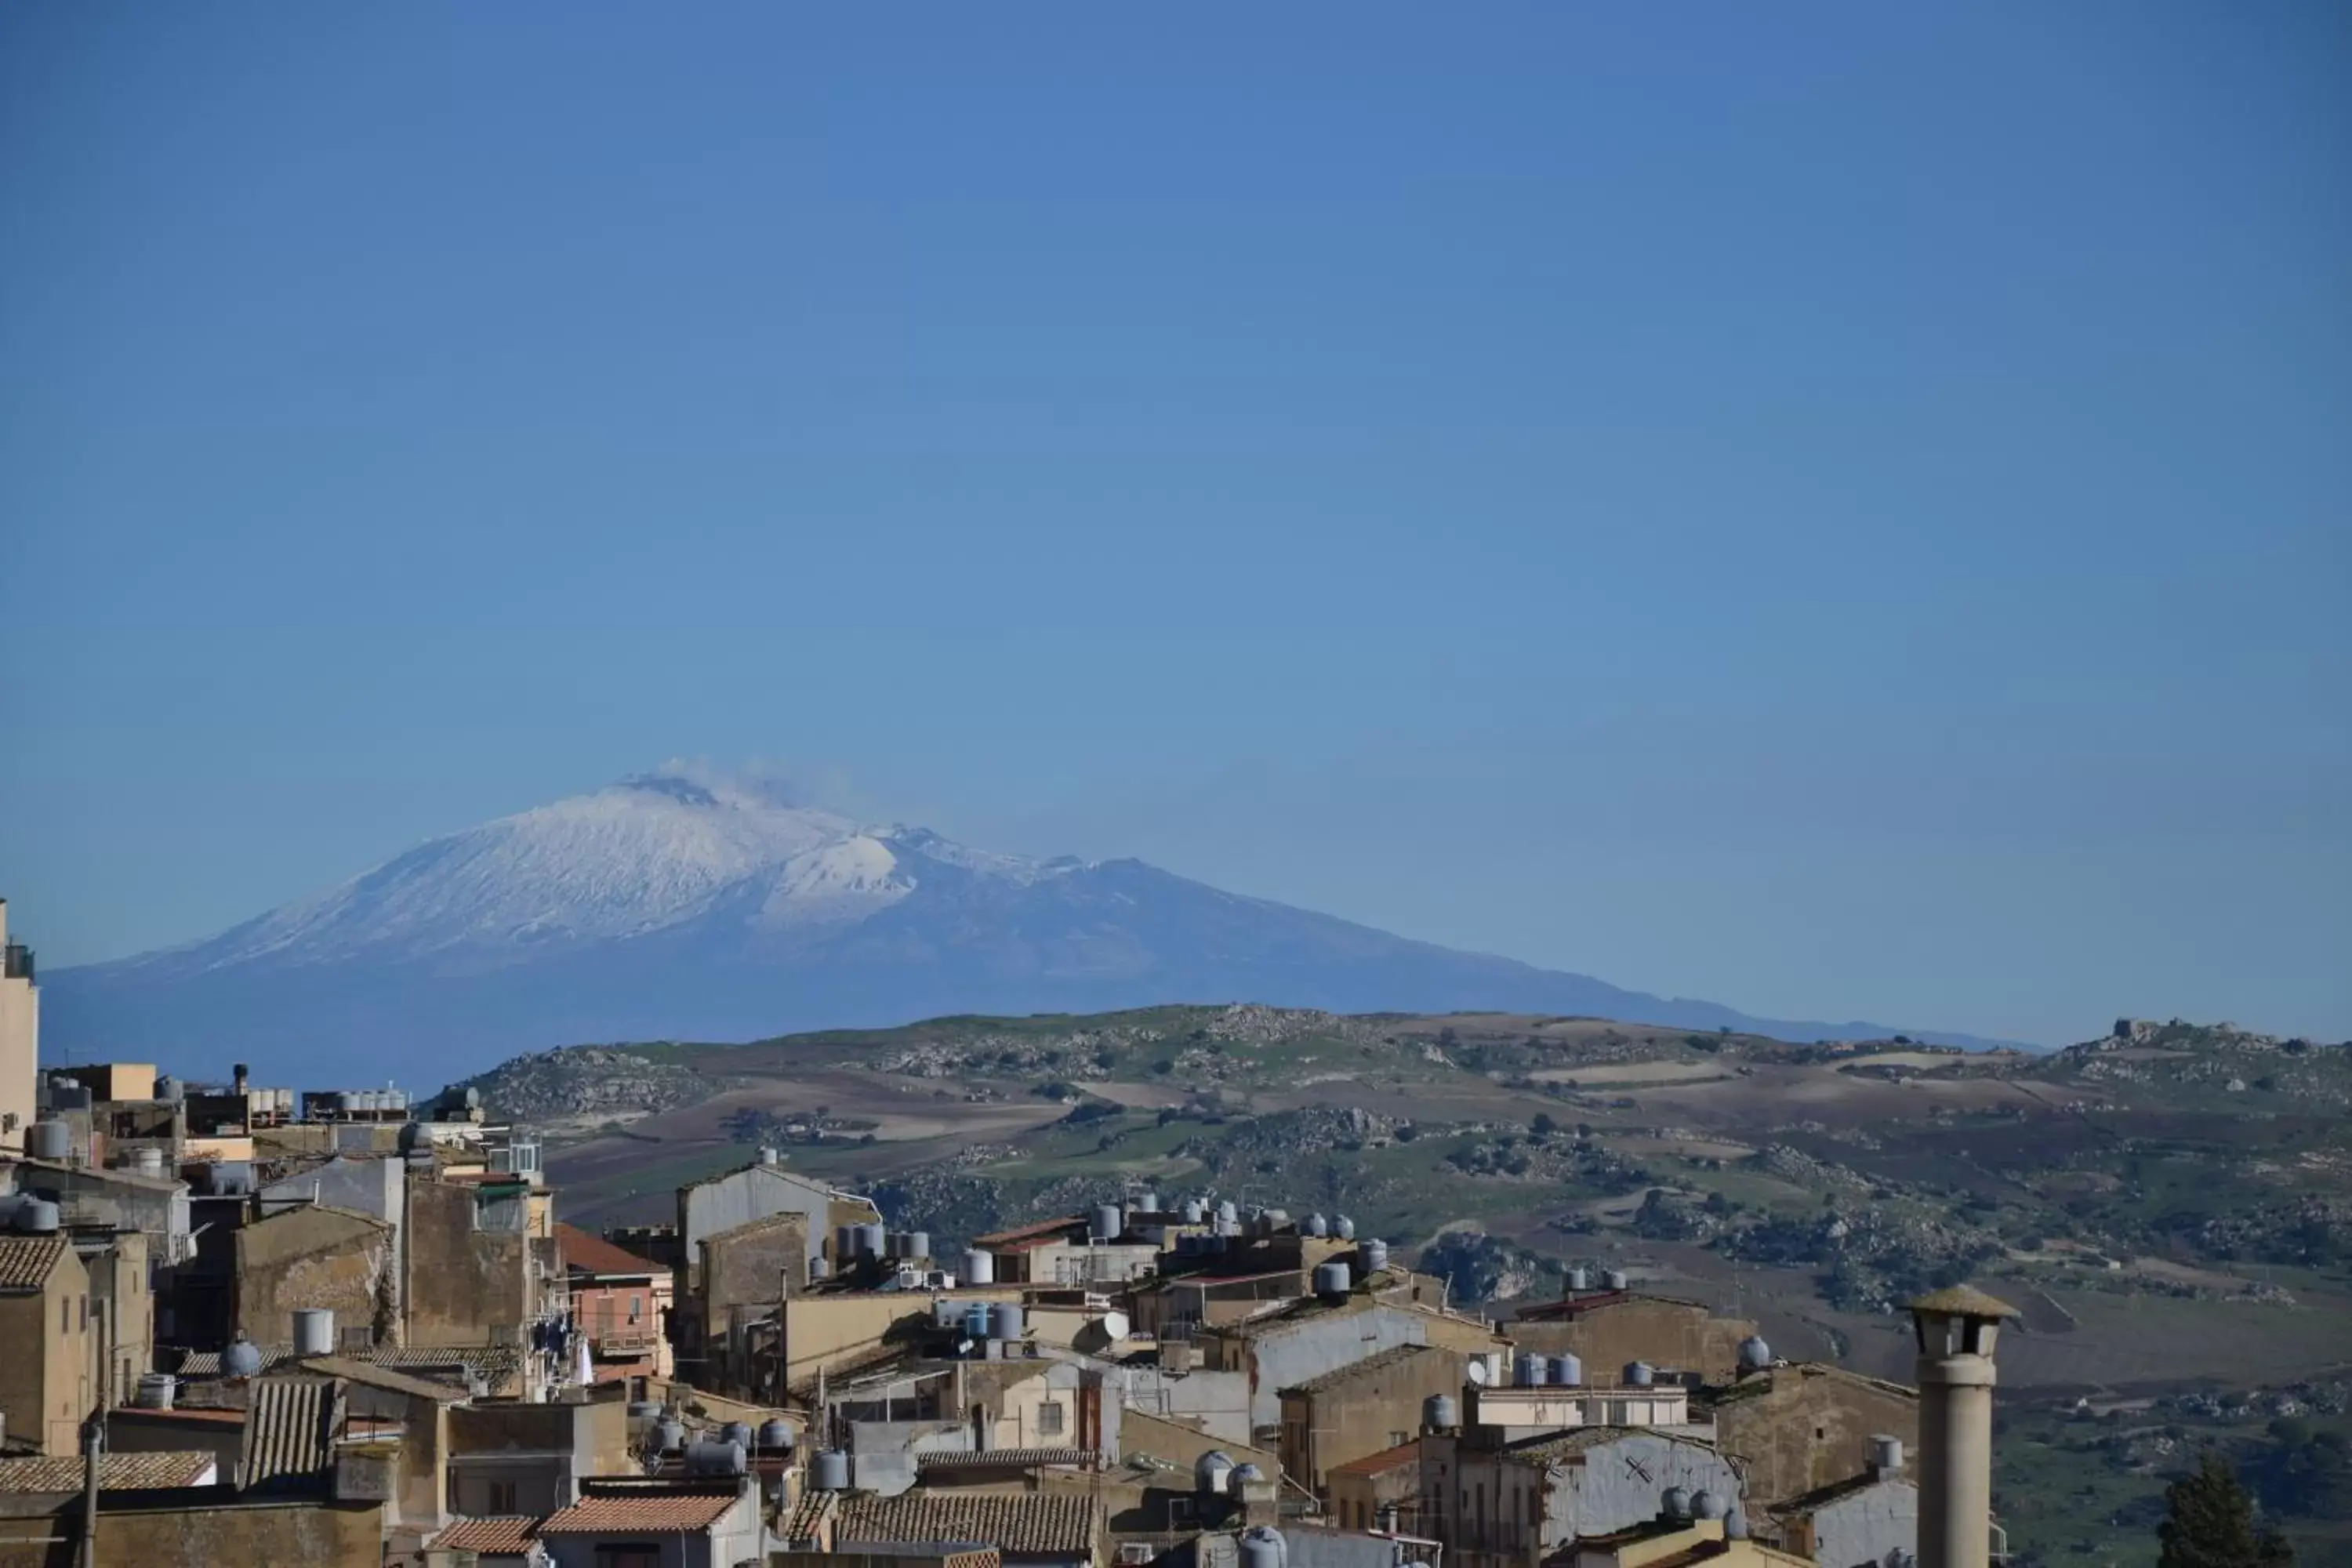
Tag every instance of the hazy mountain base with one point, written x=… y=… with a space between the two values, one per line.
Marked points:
x=665 y=906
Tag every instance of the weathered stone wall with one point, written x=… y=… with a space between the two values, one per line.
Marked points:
x=1798 y=1427
x=214 y=1530
x=721 y=1204
x=825 y=1330
x=467 y=1286
x=309 y=1257
x=1670 y=1335
x=35 y=1409
x=1365 y=1410
x=748 y=1266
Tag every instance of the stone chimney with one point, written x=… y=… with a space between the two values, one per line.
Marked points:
x=1955 y=1331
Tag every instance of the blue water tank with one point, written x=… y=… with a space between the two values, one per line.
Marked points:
x=1534 y=1371
x=1263 y=1547
x=723 y=1458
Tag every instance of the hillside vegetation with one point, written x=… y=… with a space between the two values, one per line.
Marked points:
x=2170 y=1205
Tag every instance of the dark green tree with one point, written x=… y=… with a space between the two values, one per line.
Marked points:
x=2210 y=1523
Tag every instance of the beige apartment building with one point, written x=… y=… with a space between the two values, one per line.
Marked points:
x=20 y=1038
x=46 y=1386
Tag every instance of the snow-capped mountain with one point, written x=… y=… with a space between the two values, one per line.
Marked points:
x=676 y=906
x=643 y=856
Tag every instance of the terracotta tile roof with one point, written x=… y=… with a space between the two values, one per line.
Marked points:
x=494 y=1362
x=808 y=1516
x=1007 y=1459
x=653 y=1506
x=1025 y=1522
x=116 y=1472
x=196 y=1365
x=1596 y=1301
x=490 y=1359
x=25 y=1260
x=1387 y=1459
x=586 y=1254
x=1027 y=1236
x=505 y=1536
x=1379 y=1361
x=289 y=1430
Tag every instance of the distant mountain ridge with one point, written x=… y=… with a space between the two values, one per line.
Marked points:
x=679 y=907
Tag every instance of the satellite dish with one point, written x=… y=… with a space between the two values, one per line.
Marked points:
x=1478 y=1372
x=1116 y=1325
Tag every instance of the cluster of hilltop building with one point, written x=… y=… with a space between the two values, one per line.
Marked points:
x=239 y=1324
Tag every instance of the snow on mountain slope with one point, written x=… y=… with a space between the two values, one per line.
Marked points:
x=640 y=856
x=671 y=906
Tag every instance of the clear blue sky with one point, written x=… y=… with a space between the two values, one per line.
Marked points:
x=1840 y=510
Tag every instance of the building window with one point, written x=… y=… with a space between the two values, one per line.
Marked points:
x=628 y=1554
x=502 y=1497
x=636 y=1310
x=1049 y=1419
